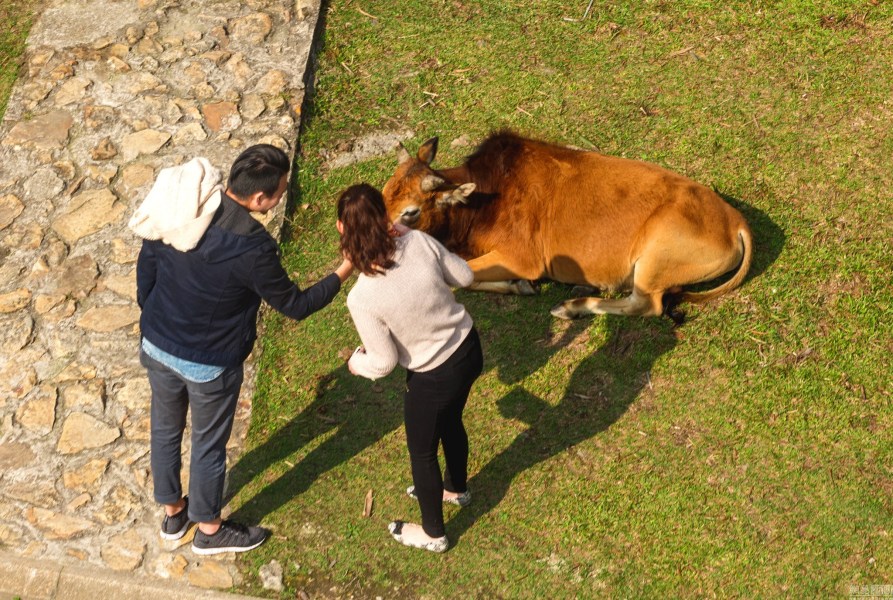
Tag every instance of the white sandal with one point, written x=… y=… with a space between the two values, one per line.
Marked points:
x=463 y=499
x=439 y=545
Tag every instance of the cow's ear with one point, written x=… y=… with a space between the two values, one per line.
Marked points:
x=428 y=151
x=402 y=153
x=458 y=195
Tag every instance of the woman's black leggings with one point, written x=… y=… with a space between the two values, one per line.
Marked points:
x=432 y=409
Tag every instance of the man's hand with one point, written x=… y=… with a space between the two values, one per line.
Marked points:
x=344 y=270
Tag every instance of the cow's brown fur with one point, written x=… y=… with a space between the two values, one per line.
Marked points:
x=540 y=210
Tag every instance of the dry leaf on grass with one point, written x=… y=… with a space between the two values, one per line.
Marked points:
x=367 y=505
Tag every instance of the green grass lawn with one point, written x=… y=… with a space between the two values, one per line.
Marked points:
x=746 y=453
x=16 y=17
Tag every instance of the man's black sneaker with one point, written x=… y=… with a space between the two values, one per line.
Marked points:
x=174 y=527
x=231 y=537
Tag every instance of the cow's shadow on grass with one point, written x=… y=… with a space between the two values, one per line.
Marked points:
x=601 y=388
x=769 y=238
x=360 y=413
x=768 y=242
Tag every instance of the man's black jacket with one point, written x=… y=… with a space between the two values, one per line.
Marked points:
x=202 y=305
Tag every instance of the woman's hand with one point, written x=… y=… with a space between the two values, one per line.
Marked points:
x=359 y=350
x=399 y=228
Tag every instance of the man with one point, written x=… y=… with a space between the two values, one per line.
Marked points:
x=204 y=267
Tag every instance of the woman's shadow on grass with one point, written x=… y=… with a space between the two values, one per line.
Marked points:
x=361 y=413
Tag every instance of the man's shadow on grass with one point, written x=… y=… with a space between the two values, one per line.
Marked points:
x=361 y=413
x=602 y=387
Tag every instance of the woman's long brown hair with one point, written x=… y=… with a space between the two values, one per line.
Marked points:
x=366 y=240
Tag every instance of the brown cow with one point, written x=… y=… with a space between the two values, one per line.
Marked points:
x=521 y=209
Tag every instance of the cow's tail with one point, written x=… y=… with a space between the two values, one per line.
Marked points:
x=746 y=238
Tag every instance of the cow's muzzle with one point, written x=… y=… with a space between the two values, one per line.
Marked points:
x=410 y=216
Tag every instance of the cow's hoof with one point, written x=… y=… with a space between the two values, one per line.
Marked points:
x=672 y=310
x=561 y=311
x=582 y=291
x=524 y=288
x=677 y=316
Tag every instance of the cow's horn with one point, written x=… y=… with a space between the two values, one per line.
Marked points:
x=432 y=182
x=402 y=154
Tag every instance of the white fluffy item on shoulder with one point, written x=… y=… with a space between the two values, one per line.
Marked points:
x=180 y=205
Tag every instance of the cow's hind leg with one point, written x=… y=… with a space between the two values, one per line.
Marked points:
x=646 y=300
x=636 y=304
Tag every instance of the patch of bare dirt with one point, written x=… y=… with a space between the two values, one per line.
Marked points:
x=854 y=285
x=364 y=148
x=848 y=21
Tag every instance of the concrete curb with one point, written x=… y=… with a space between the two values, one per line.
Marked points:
x=32 y=579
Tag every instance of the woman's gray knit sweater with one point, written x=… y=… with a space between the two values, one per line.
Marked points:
x=408 y=314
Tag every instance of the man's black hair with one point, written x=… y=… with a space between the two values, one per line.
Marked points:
x=258 y=169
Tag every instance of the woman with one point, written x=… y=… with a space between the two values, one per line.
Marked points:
x=405 y=312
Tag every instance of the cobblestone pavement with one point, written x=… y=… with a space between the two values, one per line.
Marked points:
x=111 y=92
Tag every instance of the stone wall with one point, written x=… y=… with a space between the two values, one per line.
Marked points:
x=111 y=92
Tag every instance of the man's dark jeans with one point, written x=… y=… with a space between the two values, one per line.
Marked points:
x=213 y=408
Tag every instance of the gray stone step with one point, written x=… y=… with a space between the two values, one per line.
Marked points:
x=110 y=93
